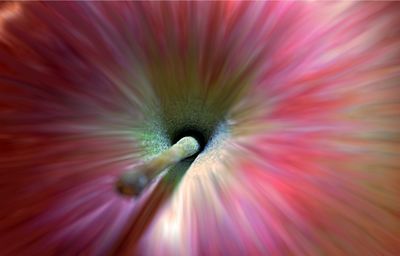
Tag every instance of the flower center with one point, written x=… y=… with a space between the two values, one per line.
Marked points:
x=197 y=134
x=134 y=182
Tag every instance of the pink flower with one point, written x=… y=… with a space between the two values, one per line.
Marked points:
x=297 y=104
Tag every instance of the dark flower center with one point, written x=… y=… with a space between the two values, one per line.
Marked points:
x=200 y=135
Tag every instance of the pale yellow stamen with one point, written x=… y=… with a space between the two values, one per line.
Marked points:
x=134 y=182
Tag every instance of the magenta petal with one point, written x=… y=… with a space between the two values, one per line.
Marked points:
x=299 y=100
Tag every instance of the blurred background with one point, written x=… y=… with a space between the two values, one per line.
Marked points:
x=296 y=104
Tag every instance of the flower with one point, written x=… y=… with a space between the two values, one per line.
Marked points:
x=296 y=105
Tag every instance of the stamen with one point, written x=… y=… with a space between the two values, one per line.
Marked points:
x=132 y=183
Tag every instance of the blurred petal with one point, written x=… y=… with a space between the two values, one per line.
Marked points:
x=299 y=103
